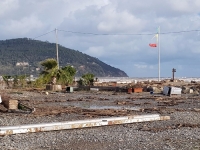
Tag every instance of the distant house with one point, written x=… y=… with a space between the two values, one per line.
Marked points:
x=22 y=64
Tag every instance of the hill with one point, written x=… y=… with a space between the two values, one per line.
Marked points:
x=23 y=56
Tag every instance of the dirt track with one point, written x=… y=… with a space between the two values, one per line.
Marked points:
x=181 y=132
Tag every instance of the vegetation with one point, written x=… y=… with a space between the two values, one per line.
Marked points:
x=87 y=79
x=31 y=52
x=64 y=76
x=6 y=79
x=16 y=81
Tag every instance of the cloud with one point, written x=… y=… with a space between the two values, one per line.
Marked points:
x=96 y=51
x=113 y=20
x=8 y=6
x=185 y=6
x=113 y=25
x=139 y=66
x=23 y=26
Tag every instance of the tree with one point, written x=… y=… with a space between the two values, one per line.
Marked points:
x=21 y=80
x=87 y=79
x=6 y=79
x=64 y=75
x=15 y=81
x=50 y=70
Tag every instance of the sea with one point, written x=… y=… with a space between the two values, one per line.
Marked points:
x=129 y=79
x=138 y=79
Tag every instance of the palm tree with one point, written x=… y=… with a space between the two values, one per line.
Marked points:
x=64 y=75
x=87 y=79
x=50 y=70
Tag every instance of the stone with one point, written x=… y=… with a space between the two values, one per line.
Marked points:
x=196 y=92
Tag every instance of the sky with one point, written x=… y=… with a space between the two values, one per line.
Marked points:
x=117 y=32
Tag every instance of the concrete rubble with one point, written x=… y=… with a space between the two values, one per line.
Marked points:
x=157 y=87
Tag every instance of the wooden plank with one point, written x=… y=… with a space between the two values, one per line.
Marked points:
x=79 y=124
x=10 y=104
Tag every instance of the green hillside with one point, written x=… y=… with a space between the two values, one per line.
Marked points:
x=23 y=56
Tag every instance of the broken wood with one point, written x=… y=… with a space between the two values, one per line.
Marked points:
x=10 y=104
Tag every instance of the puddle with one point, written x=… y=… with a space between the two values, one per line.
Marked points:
x=113 y=107
x=90 y=106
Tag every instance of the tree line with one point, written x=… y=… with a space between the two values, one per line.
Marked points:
x=64 y=76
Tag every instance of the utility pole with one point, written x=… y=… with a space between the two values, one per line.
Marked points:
x=173 y=71
x=57 y=46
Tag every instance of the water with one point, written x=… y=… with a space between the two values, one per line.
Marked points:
x=89 y=106
x=135 y=79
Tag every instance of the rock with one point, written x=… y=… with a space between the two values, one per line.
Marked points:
x=185 y=89
x=193 y=81
x=159 y=99
x=145 y=89
x=157 y=90
x=197 y=109
x=2 y=108
x=196 y=92
x=149 y=89
x=191 y=91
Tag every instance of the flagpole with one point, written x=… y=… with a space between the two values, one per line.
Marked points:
x=159 y=54
x=56 y=31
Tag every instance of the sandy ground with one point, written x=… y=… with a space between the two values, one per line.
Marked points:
x=182 y=131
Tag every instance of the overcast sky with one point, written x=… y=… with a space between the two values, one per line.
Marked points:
x=123 y=28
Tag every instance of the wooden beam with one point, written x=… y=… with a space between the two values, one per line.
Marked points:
x=7 y=130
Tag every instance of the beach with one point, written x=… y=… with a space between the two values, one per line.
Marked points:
x=182 y=131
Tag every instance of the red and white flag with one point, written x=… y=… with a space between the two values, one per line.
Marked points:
x=154 y=44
